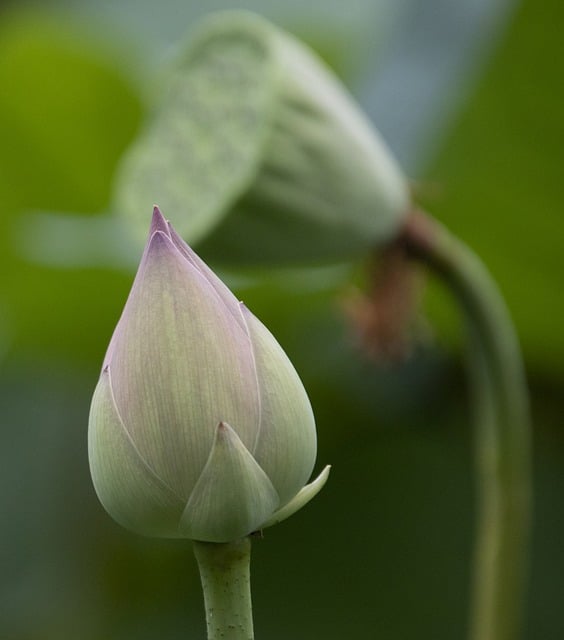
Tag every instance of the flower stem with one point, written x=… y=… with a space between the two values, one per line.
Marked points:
x=225 y=575
x=503 y=445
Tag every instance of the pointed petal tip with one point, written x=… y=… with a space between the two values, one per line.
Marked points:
x=300 y=499
x=158 y=222
x=159 y=240
x=225 y=434
x=159 y=249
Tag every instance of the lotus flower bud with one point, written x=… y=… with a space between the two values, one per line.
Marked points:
x=259 y=141
x=199 y=425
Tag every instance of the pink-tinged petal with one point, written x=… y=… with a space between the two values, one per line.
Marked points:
x=180 y=365
x=158 y=224
x=220 y=288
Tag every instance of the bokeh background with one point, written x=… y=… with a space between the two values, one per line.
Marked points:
x=470 y=97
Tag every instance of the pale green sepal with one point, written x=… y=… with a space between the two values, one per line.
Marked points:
x=130 y=491
x=299 y=500
x=232 y=496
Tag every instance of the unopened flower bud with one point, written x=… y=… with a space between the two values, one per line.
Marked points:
x=199 y=425
x=262 y=154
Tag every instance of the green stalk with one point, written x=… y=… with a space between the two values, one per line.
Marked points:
x=503 y=443
x=225 y=575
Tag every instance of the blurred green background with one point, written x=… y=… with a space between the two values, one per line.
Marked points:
x=470 y=97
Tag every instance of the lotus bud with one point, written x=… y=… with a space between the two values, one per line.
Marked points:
x=257 y=139
x=199 y=425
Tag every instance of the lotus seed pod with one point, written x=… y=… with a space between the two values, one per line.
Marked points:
x=262 y=154
x=199 y=426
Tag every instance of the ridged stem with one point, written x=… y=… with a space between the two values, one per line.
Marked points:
x=225 y=576
x=503 y=443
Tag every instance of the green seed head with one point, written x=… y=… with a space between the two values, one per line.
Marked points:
x=260 y=142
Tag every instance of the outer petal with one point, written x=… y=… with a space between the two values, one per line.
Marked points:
x=286 y=444
x=221 y=289
x=233 y=496
x=127 y=487
x=158 y=223
x=180 y=365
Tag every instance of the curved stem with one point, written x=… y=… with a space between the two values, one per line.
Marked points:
x=503 y=445
x=225 y=575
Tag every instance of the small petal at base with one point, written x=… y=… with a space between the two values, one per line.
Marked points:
x=232 y=496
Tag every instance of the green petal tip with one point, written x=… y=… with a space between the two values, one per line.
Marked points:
x=300 y=499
